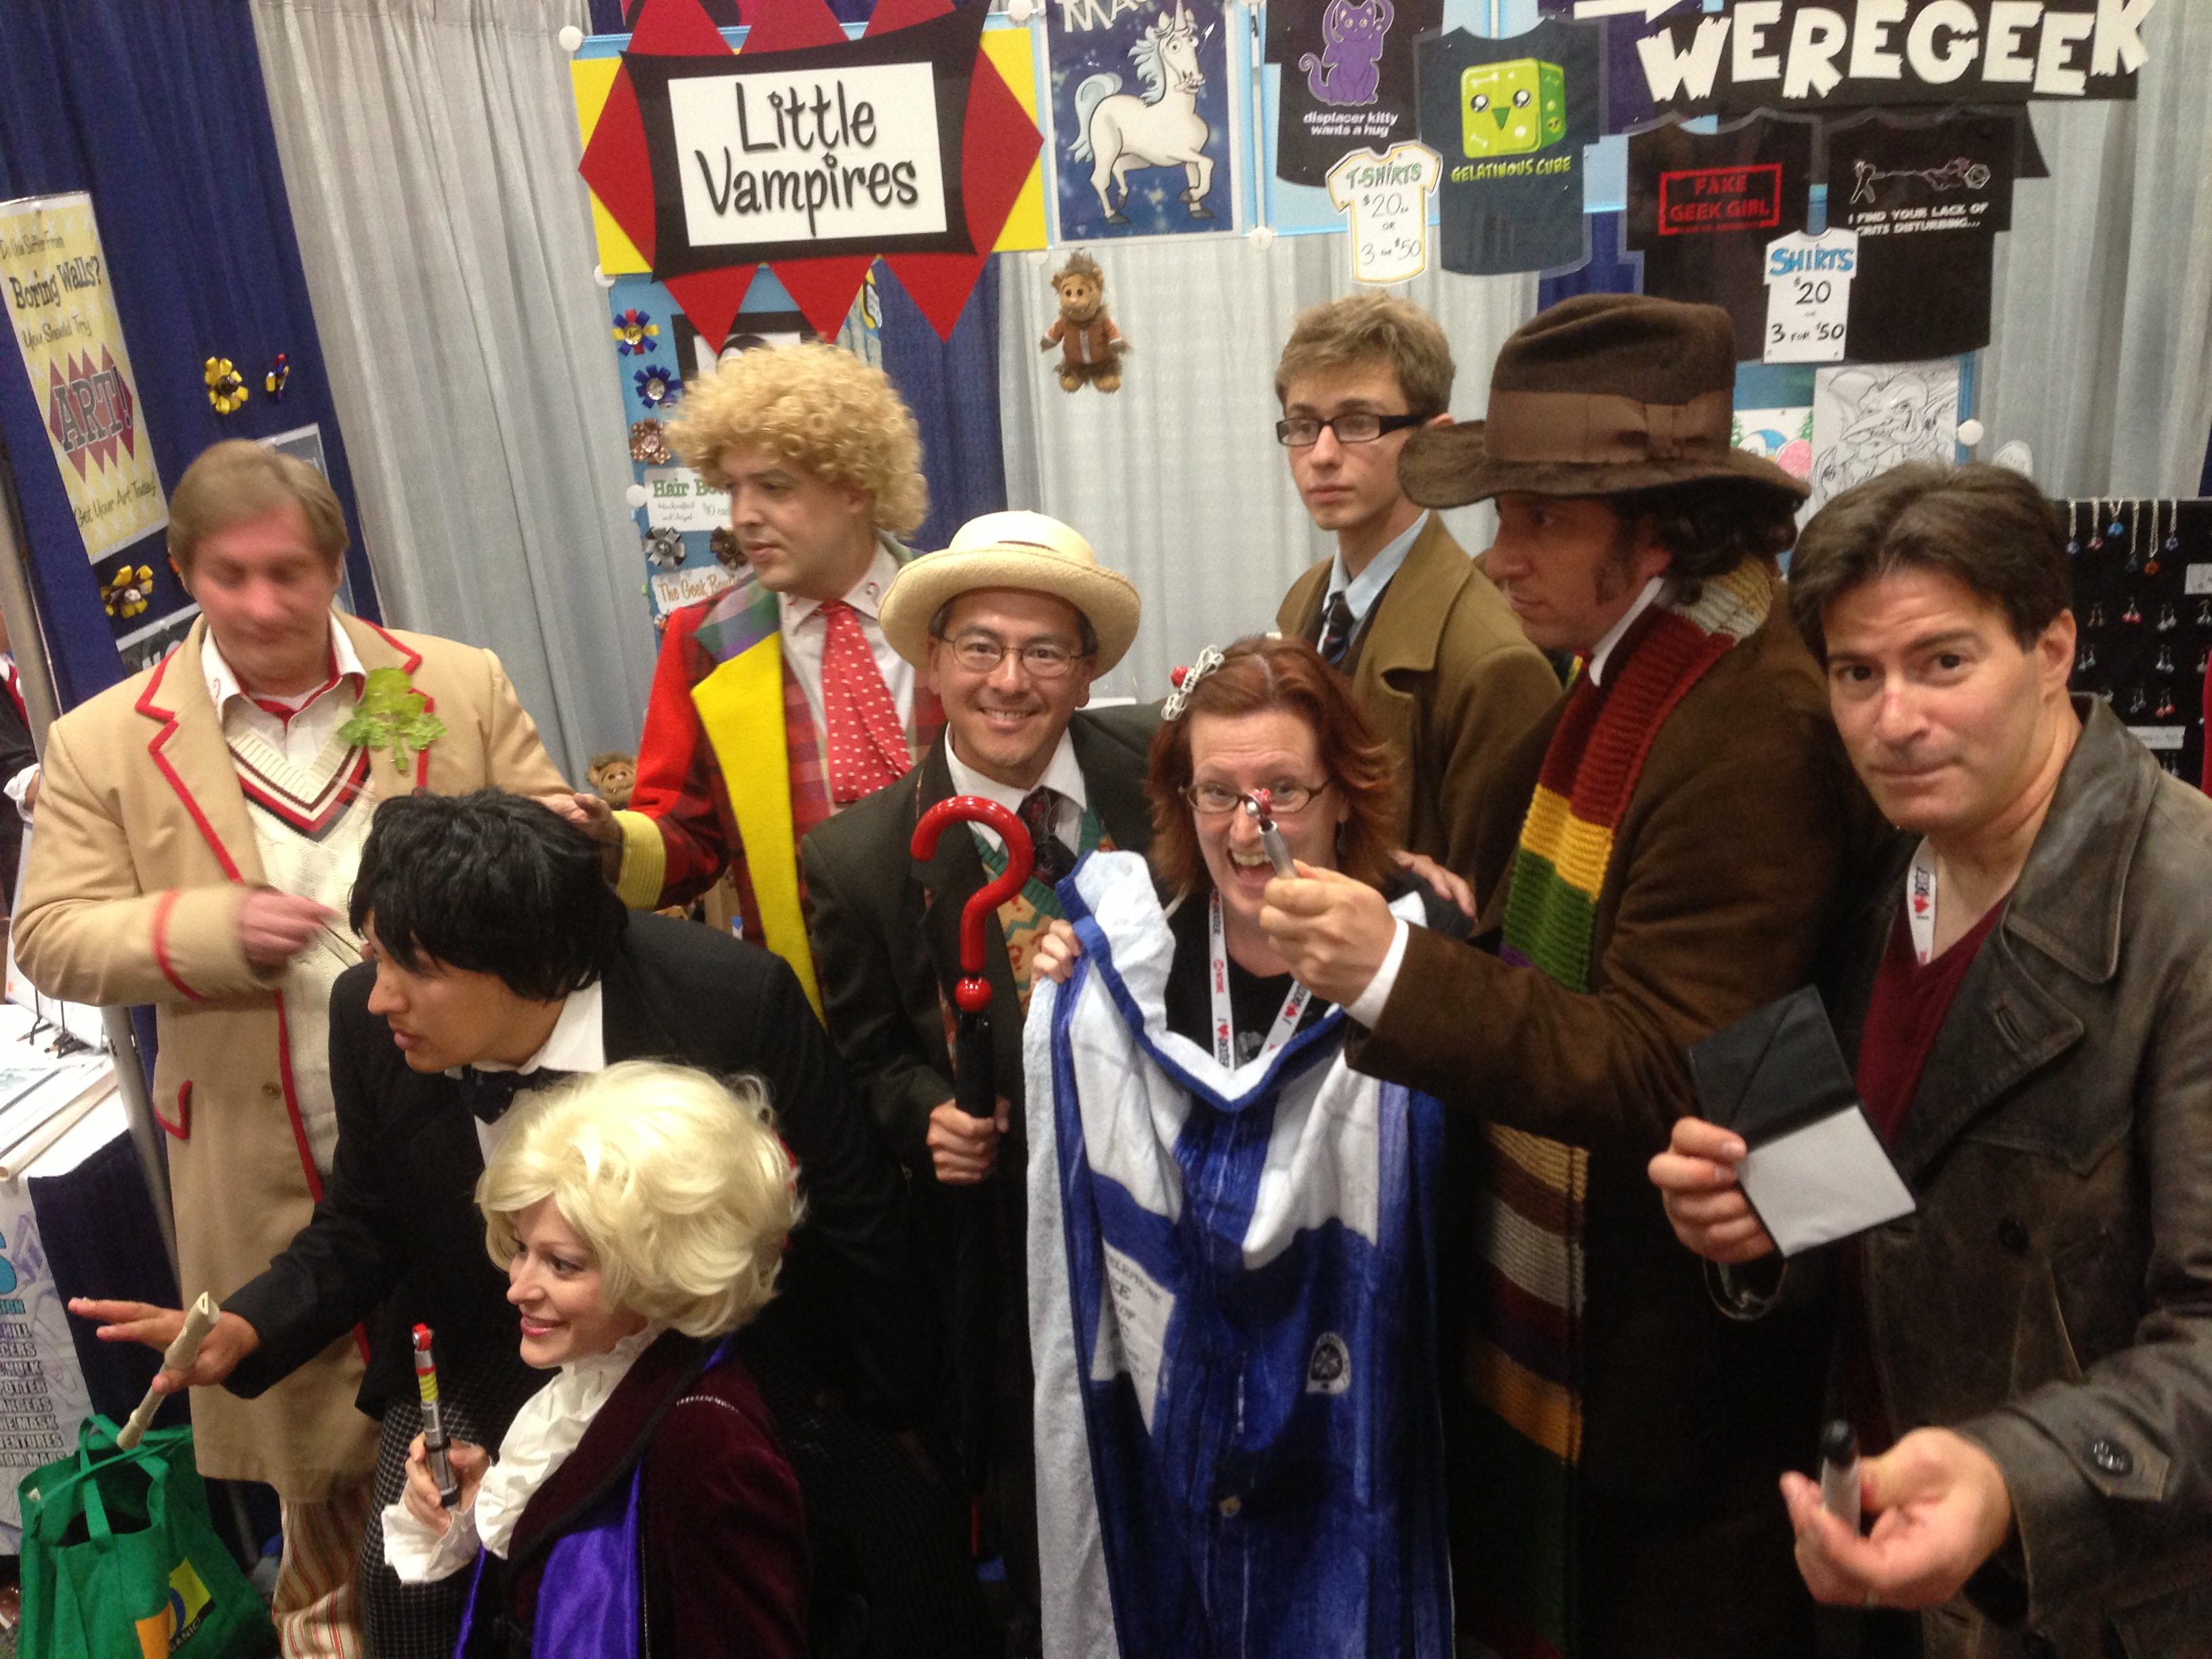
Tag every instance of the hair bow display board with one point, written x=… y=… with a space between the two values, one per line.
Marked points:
x=809 y=148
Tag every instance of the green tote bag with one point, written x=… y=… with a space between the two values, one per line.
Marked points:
x=121 y=1561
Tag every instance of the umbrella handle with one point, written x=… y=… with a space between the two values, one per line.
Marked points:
x=973 y=993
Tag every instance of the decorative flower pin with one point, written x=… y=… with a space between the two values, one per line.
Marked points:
x=723 y=541
x=226 y=386
x=129 y=590
x=664 y=547
x=392 y=714
x=656 y=386
x=634 y=332
x=648 y=444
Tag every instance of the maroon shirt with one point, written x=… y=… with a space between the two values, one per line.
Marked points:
x=1908 y=1008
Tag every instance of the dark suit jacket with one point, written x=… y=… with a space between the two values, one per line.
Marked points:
x=1445 y=676
x=886 y=930
x=720 y=1525
x=397 y=1238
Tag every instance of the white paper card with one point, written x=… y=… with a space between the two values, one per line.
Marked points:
x=1808 y=295
x=1823 y=1182
x=1387 y=197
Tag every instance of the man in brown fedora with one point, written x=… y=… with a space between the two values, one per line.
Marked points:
x=1665 y=855
x=1008 y=626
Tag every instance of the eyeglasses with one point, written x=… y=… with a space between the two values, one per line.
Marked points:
x=1284 y=799
x=1042 y=659
x=1354 y=425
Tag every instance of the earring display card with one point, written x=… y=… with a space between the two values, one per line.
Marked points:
x=2143 y=615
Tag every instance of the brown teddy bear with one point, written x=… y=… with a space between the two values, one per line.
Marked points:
x=613 y=776
x=1090 y=347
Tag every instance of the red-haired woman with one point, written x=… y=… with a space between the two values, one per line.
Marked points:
x=1230 y=1236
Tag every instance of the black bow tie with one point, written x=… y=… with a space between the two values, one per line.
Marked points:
x=488 y=1094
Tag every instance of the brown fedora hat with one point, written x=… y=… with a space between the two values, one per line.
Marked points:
x=1600 y=394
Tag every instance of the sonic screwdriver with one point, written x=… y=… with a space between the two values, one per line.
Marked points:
x=1256 y=807
x=434 y=1440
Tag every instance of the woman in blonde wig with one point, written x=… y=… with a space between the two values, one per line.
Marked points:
x=640 y=1504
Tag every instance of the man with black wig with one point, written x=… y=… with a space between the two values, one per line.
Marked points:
x=498 y=960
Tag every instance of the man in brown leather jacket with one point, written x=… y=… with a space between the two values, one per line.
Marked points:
x=2030 y=1007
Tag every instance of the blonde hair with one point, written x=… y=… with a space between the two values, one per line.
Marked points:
x=239 y=479
x=1372 y=328
x=677 y=1184
x=819 y=406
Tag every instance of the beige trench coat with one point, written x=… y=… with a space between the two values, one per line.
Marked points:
x=142 y=857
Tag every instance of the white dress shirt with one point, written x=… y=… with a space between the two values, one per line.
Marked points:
x=577 y=1043
x=806 y=633
x=314 y=715
x=1061 y=775
x=1361 y=592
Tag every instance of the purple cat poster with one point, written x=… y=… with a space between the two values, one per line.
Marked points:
x=1347 y=78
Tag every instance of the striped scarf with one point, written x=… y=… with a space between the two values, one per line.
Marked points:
x=1523 y=1359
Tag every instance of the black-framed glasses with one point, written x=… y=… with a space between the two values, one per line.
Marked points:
x=1284 y=799
x=1042 y=659
x=1354 y=425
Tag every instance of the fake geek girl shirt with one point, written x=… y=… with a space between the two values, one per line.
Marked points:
x=1703 y=206
x=1509 y=117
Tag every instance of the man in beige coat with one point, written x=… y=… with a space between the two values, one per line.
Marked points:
x=197 y=830
x=1436 y=660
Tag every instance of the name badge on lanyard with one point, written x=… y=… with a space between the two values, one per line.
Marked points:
x=1920 y=903
x=1225 y=1020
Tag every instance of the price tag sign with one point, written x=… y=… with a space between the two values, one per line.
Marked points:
x=1387 y=198
x=1808 y=295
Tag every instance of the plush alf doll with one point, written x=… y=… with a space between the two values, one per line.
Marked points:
x=613 y=776
x=1090 y=347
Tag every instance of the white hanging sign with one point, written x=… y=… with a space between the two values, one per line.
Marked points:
x=1808 y=295
x=1386 y=198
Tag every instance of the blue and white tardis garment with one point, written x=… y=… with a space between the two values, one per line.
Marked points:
x=1232 y=1311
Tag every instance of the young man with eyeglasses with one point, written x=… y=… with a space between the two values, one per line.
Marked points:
x=1008 y=626
x=1437 y=663
x=777 y=703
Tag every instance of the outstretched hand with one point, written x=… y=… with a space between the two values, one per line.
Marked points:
x=231 y=1340
x=1333 y=931
x=1942 y=1508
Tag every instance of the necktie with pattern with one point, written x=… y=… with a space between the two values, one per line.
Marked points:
x=1336 y=630
x=1039 y=808
x=866 y=743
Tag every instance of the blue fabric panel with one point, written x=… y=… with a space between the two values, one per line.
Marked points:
x=160 y=112
x=952 y=386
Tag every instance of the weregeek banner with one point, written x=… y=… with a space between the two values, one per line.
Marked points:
x=1794 y=55
x=62 y=313
x=851 y=148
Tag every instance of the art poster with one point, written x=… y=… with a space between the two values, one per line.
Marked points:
x=1144 y=111
x=1783 y=436
x=62 y=313
x=1868 y=418
x=1347 y=78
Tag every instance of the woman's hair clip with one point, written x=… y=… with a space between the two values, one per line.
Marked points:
x=1186 y=682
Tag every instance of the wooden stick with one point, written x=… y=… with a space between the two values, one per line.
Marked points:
x=199 y=1319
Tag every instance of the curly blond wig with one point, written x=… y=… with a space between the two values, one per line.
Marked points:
x=677 y=1184
x=819 y=406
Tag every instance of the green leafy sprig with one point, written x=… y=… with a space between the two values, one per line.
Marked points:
x=392 y=714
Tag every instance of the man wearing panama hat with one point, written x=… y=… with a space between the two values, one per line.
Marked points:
x=1009 y=626
x=1665 y=853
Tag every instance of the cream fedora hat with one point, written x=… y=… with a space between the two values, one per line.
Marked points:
x=1026 y=550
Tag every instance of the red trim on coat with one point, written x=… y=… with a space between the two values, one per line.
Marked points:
x=292 y=1103
x=422 y=754
x=162 y=906
x=182 y=1128
x=153 y=710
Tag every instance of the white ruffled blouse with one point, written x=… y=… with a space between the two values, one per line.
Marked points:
x=544 y=1431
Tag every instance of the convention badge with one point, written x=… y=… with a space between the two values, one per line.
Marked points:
x=1385 y=198
x=1808 y=295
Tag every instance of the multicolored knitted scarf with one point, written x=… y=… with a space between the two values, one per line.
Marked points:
x=1523 y=1360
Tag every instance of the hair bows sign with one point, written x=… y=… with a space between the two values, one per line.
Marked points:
x=810 y=153
x=1792 y=55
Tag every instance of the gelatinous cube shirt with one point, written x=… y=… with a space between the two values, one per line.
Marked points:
x=1510 y=119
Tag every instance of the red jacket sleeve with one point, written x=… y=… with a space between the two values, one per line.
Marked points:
x=727 y=1534
x=679 y=783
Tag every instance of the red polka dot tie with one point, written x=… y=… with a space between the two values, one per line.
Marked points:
x=867 y=745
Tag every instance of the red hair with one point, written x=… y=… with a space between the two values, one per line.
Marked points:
x=1258 y=674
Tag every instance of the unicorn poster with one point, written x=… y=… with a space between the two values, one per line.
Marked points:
x=1143 y=102
x=1347 y=78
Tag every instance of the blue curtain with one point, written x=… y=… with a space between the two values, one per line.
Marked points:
x=952 y=386
x=156 y=108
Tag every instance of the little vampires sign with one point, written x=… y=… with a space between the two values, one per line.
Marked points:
x=1790 y=55
x=810 y=153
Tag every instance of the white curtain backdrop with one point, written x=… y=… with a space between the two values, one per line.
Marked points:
x=1177 y=479
x=2101 y=354
x=430 y=151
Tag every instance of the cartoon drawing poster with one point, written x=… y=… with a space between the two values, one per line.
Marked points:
x=1347 y=78
x=1868 y=418
x=1143 y=102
